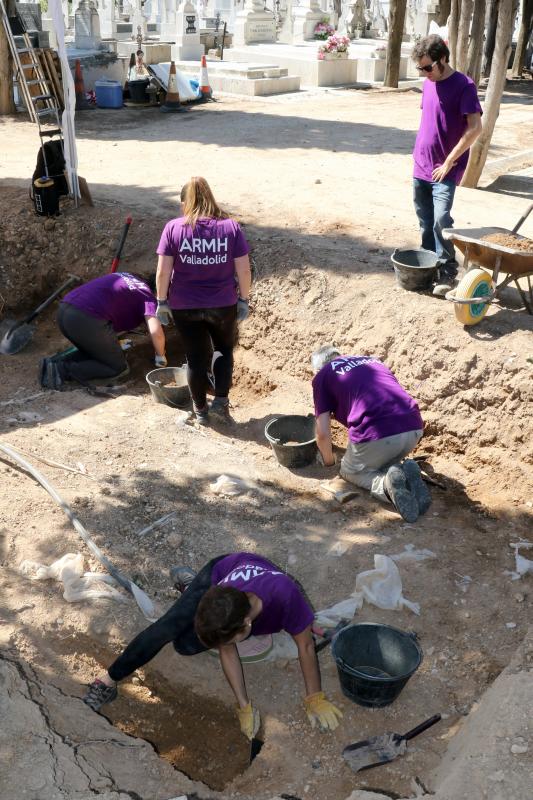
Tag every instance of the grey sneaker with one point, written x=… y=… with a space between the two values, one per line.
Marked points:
x=220 y=409
x=442 y=288
x=401 y=497
x=99 y=694
x=417 y=485
x=182 y=577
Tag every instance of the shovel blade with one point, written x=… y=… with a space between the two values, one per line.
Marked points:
x=15 y=339
x=374 y=752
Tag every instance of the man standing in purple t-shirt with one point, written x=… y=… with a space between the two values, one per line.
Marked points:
x=450 y=124
x=383 y=422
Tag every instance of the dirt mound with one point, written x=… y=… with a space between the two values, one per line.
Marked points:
x=37 y=252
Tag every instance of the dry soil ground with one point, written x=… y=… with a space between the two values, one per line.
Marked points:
x=321 y=183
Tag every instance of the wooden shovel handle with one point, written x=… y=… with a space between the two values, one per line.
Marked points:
x=422 y=727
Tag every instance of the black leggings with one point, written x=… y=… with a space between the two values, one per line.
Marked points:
x=176 y=626
x=99 y=353
x=205 y=331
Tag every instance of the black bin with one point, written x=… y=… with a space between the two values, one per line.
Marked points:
x=374 y=662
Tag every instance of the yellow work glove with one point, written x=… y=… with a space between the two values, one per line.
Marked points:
x=320 y=711
x=249 y=720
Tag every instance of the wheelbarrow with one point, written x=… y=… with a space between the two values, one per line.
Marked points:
x=478 y=289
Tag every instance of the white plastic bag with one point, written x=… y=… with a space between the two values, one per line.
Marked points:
x=77 y=584
x=382 y=586
x=229 y=486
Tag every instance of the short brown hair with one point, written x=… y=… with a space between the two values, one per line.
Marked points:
x=220 y=615
x=199 y=202
x=434 y=47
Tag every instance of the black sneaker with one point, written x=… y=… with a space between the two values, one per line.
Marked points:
x=99 y=694
x=402 y=498
x=43 y=364
x=416 y=484
x=201 y=416
x=182 y=577
x=53 y=377
x=220 y=409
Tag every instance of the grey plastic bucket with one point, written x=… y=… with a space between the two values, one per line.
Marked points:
x=416 y=269
x=374 y=662
x=177 y=396
x=300 y=432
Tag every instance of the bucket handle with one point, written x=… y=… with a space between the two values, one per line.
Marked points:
x=273 y=439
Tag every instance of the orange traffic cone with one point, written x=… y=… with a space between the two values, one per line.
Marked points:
x=203 y=81
x=172 y=103
x=79 y=86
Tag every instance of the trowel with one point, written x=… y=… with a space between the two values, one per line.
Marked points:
x=382 y=749
x=16 y=335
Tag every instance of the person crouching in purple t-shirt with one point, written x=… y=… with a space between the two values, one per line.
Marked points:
x=91 y=316
x=233 y=597
x=203 y=281
x=450 y=124
x=383 y=422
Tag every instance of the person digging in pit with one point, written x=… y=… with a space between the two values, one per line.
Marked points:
x=90 y=317
x=233 y=597
x=384 y=425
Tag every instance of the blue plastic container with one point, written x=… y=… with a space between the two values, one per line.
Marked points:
x=108 y=94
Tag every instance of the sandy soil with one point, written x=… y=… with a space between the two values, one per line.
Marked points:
x=321 y=183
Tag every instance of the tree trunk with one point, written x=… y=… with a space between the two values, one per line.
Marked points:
x=453 y=29
x=526 y=24
x=463 y=35
x=7 y=104
x=493 y=98
x=444 y=12
x=475 y=48
x=491 y=18
x=394 y=44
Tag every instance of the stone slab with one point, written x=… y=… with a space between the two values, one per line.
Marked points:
x=306 y=66
x=251 y=80
x=154 y=52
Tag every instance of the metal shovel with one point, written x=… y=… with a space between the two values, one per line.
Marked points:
x=18 y=334
x=381 y=749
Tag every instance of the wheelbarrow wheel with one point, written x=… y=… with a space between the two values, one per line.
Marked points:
x=476 y=283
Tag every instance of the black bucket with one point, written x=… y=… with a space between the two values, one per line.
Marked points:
x=415 y=270
x=177 y=396
x=374 y=662
x=292 y=439
x=138 y=91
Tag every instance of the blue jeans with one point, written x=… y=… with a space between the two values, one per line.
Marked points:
x=433 y=204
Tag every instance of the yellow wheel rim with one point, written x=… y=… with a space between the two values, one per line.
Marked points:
x=476 y=283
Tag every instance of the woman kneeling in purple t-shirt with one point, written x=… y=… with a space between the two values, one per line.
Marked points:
x=203 y=281
x=232 y=597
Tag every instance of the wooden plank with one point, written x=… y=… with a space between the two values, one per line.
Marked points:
x=51 y=73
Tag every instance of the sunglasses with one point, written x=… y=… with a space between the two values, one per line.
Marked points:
x=427 y=68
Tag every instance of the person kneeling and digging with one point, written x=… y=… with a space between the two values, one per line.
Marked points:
x=384 y=425
x=231 y=598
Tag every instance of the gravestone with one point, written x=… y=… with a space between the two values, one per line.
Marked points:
x=187 y=45
x=87 y=27
x=254 y=24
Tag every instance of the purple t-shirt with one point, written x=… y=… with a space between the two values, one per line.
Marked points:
x=204 y=261
x=365 y=397
x=117 y=297
x=284 y=608
x=444 y=105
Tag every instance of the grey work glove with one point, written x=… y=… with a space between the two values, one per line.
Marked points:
x=160 y=361
x=163 y=312
x=243 y=309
